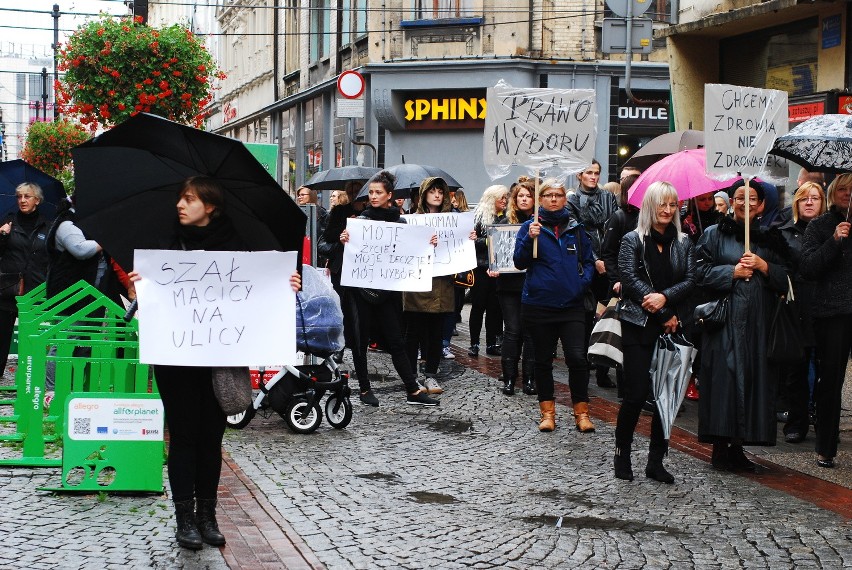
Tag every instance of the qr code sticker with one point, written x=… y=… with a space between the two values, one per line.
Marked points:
x=82 y=426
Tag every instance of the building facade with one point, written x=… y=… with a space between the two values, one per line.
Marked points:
x=282 y=86
x=24 y=91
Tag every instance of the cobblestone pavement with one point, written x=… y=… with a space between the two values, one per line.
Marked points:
x=472 y=483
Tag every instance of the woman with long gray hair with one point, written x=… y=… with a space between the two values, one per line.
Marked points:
x=656 y=265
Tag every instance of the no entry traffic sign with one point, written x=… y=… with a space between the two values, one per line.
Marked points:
x=351 y=84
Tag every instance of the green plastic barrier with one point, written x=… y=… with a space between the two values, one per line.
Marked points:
x=112 y=442
x=96 y=351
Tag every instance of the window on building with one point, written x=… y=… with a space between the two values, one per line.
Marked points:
x=353 y=17
x=439 y=9
x=320 y=29
x=291 y=39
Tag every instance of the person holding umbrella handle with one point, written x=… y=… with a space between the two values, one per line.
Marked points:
x=194 y=418
x=656 y=265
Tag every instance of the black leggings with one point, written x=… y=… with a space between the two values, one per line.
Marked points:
x=515 y=335
x=547 y=326
x=424 y=331
x=483 y=296
x=834 y=340
x=638 y=344
x=196 y=426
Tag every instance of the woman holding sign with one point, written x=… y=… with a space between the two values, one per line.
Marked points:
x=552 y=299
x=737 y=404
x=195 y=420
x=384 y=307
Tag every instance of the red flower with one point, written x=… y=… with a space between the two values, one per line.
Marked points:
x=148 y=81
x=156 y=73
x=138 y=19
x=177 y=73
x=101 y=32
x=164 y=85
x=115 y=74
x=122 y=106
x=202 y=68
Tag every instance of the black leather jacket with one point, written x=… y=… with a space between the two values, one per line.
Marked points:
x=636 y=283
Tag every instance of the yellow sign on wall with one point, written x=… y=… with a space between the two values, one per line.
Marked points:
x=461 y=109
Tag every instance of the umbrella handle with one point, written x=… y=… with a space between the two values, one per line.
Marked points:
x=131 y=310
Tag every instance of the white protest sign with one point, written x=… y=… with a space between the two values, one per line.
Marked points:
x=455 y=251
x=740 y=127
x=388 y=256
x=216 y=308
x=538 y=128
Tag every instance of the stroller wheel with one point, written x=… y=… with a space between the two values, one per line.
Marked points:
x=340 y=418
x=241 y=420
x=302 y=418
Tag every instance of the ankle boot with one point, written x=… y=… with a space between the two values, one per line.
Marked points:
x=529 y=378
x=581 y=418
x=207 y=525
x=720 y=458
x=510 y=376
x=738 y=460
x=187 y=534
x=655 y=470
x=621 y=463
x=548 y=415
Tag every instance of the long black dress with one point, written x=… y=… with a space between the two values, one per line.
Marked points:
x=737 y=386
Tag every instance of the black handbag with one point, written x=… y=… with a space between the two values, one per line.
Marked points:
x=464 y=279
x=713 y=315
x=785 y=342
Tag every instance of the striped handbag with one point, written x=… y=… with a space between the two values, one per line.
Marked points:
x=605 y=341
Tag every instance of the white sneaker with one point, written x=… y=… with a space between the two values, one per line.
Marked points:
x=432 y=386
x=447 y=354
x=48 y=398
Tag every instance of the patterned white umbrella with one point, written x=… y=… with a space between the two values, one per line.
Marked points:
x=820 y=144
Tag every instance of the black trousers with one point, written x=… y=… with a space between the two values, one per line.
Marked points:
x=638 y=345
x=834 y=340
x=797 y=394
x=387 y=315
x=424 y=331
x=196 y=426
x=7 y=330
x=548 y=326
x=515 y=335
x=484 y=303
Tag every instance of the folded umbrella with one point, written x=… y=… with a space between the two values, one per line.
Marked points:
x=128 y=180
x=15 y=172
x=685 y=170
x=662 y=146
x=671 y=367
x=409 y=177
x=820 y=144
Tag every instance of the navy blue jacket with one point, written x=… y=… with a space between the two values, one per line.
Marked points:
x=562 y=272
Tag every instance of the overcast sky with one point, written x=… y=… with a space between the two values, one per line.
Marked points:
x=69 y=20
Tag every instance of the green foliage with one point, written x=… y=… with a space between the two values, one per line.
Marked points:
x=117 y=68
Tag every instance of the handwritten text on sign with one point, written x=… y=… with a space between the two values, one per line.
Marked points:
x=501 y=248
x=740 y=127
x=216 y=308
x=539 y=129
x=388 y=256
x=455 y=251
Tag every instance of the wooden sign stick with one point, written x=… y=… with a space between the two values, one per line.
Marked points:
x=535 y=216
x=747 y=220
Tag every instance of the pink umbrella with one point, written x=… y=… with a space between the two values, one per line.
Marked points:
x=685 y=170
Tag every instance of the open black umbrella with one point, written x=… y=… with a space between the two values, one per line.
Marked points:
x=15 y=172
x=662 y=146
x=337 y=178
x=409 y=177
x=128 y=180
x=820 y=144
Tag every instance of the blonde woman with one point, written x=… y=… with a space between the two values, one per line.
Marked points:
x=484 y=291
x=656 y=265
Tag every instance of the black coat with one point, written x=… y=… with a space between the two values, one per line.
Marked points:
x=22 y=254
x=829 y=264
x=737 y=384
x=329 y=245
x=794 y=234
x=636 y=281
x=617 y=226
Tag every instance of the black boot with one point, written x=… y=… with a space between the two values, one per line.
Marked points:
x=655 y=470
x=187 y=534
x=207 y=525
x=529 y=378
x=720 y=458
x=738 y=460
x=510 y=376
x=621 y=463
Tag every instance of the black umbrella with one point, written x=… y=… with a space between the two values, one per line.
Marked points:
x=820 y=144
x=337 y=178
x=409 y=177
x=662 y=146
x=15 y=172
x=128 y=180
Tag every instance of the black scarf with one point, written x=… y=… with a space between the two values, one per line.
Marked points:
x=218 y=235
x=771 y=238
x=28 y=222
x=660 y=262
x=553 y=219
x=381 y=214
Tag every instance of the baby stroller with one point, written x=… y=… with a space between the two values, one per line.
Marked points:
x=295 y=392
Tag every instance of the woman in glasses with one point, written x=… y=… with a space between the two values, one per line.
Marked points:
x=552 y=300
x=656 y=265
x=827 y=259
x=737 y=404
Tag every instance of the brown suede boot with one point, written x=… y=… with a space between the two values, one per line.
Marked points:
x=581 y=418
x=548 y=415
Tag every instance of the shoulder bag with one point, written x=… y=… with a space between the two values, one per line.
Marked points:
x=785 y=342
x=232 y=387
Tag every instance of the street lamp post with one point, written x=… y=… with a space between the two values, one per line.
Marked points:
x=55 y=47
